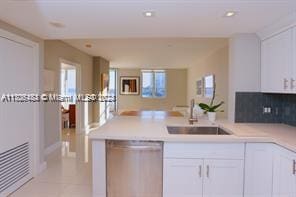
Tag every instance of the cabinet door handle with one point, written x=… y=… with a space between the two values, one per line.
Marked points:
x=286 y=83
x=294 y=167
x=208 y=171
x=292 y=83
x=200 y=171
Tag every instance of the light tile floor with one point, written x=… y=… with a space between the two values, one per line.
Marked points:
x=68 y=172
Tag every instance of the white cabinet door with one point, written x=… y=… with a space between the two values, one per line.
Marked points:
x=182 y=177
x=277 y=63
x=258 y=169
x=284 y=178
x=223 y=178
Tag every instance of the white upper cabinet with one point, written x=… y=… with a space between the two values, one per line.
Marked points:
x=277 y=63
x=284 y=173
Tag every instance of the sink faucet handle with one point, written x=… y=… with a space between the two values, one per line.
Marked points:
x=191 y=118
x=192 y=102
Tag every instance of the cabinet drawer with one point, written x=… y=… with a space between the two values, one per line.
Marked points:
x=204 y=150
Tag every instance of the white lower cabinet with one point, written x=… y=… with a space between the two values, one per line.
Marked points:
x=258 y=169
x=228 y=170
x=182 y=178
x=284 y=173
x=204 y=170
x=203 y=178
x=270 y=171
x=223 y=178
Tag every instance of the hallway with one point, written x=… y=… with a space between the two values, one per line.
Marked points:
x=68 y=172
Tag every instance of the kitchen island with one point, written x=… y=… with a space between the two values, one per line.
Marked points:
x=207 y=165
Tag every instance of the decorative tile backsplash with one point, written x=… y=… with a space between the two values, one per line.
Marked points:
x=279 y=108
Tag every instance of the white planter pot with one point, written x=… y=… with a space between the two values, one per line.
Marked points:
x=212 y=116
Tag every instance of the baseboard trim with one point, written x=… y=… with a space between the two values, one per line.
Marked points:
x=52 y=148
x=42 y=167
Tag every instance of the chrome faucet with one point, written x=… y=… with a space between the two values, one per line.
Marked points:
x=191 y=120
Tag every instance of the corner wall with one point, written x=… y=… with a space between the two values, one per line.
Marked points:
x=217 y=64
x=100 y=66
x=244 y=67
x=54 y=50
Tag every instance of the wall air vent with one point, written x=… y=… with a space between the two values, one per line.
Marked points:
x=14 y=165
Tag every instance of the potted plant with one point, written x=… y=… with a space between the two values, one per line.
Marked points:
x=211 y=109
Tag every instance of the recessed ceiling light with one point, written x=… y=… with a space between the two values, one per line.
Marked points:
x=149 y=14
x=88 y=45
x=57 y=24
x=230 y=14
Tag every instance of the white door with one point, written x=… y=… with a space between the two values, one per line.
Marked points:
x=17 y=76
x=293 y=77
x=284 y=175
x=182 y=177
x=258 y=169
x=223 y=178
x=277 y=63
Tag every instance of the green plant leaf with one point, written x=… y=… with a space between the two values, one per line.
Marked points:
x=204 y=106
x=216 y=106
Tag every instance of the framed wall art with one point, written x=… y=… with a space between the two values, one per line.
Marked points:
x=104 y=81
x=129 y=85
x=199 y=87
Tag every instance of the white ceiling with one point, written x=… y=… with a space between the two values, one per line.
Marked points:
x=178 y=36
x=151 y=52
x=124 y=18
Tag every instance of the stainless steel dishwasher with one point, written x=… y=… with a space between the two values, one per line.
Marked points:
x=134 y=168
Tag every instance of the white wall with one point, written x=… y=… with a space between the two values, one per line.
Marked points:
x=244 y=67
x=217 y=64
x=53 y=51
x=176 y=92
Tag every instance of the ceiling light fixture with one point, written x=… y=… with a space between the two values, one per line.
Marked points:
x=149 y=14
x=230 y=14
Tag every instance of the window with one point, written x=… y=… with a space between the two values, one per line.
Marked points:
x=112 y=82
x=112 y=89
x=153 y=83
x=209 y=83
x=68 y=84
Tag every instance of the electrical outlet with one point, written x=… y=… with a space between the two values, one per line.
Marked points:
x=266 y=110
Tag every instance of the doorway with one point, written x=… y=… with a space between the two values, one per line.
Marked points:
x=68 y=107
x=70 y=110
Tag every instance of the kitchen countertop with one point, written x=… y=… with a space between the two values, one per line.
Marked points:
x=154 y=128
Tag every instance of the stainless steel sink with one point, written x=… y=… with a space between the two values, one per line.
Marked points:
x=196 y=130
